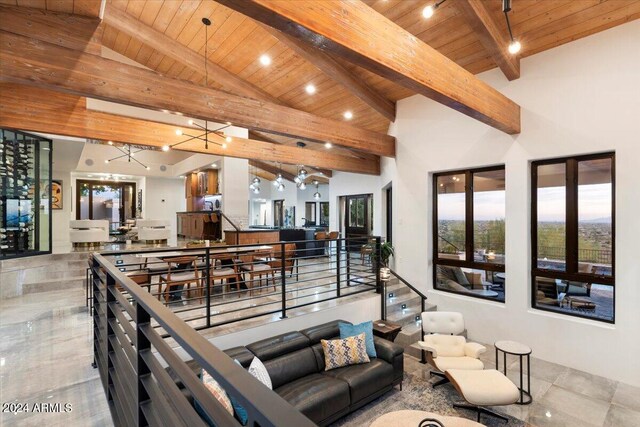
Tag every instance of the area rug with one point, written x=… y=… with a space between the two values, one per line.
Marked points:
x=418 y=394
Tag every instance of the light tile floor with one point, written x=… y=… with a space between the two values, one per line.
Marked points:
x=45 y=357
x=562 y=396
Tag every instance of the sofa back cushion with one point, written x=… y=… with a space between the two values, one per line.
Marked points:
x=325 y=331
x=291 y=366
x=279 y=345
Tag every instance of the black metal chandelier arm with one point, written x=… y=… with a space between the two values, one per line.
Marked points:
x=119 y=157
x=139 y=162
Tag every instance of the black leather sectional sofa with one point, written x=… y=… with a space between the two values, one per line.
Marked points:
x=295 y=362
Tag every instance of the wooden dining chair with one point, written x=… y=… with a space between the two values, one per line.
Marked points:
x=290 y=259
x=223 y=268
x=181 y=270
x=258 y=267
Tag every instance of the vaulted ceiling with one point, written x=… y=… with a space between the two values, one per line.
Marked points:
x=236 y=42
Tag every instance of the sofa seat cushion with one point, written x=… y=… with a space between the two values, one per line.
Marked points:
x=364 y=380
x=316 y=396
x=467 y=363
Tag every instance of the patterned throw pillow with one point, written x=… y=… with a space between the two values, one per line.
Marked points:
x=258 y=370
x=349 y=330
x=344 y=352
x=218 y=393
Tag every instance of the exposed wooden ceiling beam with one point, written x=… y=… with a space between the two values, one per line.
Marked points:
x=128 y=24
x=32 y=62
x=72 y=31
x=272 y=169
x=164 y=44
x=337 y=72
x=359 y=34
x=494 y=40
x=40 y=110
x=262 y=137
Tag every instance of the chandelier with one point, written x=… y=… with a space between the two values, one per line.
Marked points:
x=204 y=136
x=128 y=153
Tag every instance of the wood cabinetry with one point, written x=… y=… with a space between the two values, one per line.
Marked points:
x=194 y=226
x=206 y=182
x=243 y=237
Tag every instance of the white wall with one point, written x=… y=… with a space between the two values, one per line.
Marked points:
x=163 y=198
x=60 y=229
x=583 y=97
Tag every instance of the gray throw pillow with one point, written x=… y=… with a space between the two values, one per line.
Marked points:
x=460 y=277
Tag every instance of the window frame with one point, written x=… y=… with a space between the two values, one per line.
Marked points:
x=571 y=232
x=469 y=231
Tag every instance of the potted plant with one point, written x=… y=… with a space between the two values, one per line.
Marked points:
x=386 y=252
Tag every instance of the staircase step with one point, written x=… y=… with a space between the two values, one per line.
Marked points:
x=54 y=285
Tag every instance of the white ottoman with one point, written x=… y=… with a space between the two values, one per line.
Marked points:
x=409 y=418
x=483 y=388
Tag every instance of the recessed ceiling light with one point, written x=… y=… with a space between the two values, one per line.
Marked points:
x=327 y=145
x=224 y=146
x=514 y=47
x=228 y=139
x=265 y=60
x=110 y=142
x=310 y=89
x=427 y=12
x=348 y=115
x=213 y=165
x=228 y=123
x=190 y=122
x=89 y=176
x=165 y=148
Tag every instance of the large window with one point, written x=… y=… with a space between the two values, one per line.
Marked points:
x=468 y=232
x=573 y=236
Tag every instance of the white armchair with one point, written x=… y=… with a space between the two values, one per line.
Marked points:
x=445 y=348
x=156 y=230
x=88 y=232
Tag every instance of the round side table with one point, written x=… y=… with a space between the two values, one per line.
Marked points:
x=520 y=350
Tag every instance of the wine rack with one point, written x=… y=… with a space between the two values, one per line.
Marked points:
x=21 y=179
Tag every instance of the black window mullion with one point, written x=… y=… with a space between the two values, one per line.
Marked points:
x=571 y=237
x=468 y=202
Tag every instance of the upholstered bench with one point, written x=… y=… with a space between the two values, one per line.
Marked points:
x=483 y=388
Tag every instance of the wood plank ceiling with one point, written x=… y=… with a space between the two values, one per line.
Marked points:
x=236 y=42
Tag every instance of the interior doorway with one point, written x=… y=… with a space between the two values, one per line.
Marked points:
x=110 y=200
x=357 y=218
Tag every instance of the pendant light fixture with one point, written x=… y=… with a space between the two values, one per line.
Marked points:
x=317 y=194
x=514 y=46
x=279 y=181
x=128 y=153
x=255 y=182
x=204 y=136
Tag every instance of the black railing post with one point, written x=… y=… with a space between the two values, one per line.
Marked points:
x=94 y=312
x=338 y=256
x=110 y=318
x=348 y=253
x=283 y=281
x=142 y=369
x=207 y=285
x=377 y=265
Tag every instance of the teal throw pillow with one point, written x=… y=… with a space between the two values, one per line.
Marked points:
x=347 y=330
